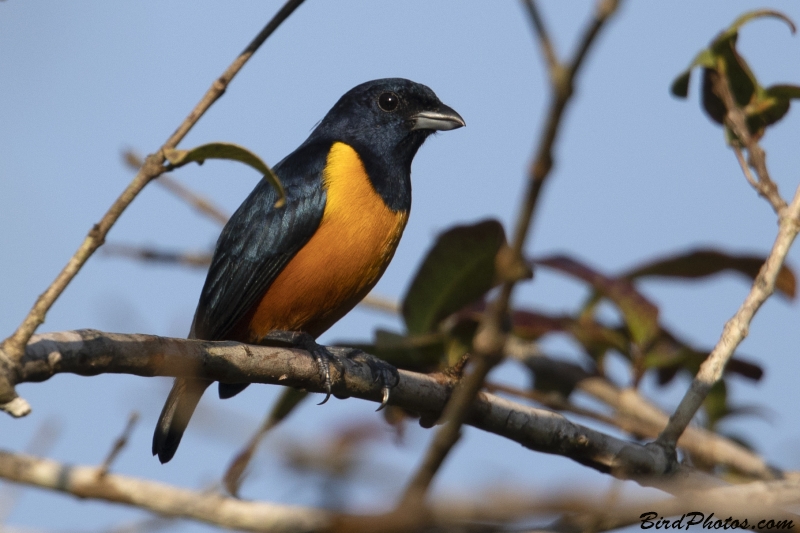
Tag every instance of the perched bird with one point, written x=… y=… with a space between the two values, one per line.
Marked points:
x=303 y=266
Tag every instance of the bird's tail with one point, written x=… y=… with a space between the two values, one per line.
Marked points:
x=178 y=409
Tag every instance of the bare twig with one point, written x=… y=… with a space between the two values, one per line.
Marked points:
x=89 y=352
x=192 y=259
x=490 y=339
x=119 y=444
x=83 y=482
x=202 y=205
x=545 y=42
x=737 y=328
x=736 y=120
x=13 y=348
x=745 y=167
x=553 y=401
x=381 y=303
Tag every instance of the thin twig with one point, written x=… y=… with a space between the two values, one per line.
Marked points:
x=553 y=401
x=381 y=303
x=490 y=339
x=545 y=42
x=119 y=444
x=745 y=167
x=202 y=205
x=736 y=120
x=192 y=259
x=737 y=328
x=13 y=347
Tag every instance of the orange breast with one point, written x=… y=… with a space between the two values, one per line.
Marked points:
x=344 y=259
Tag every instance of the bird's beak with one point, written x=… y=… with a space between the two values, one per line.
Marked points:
x=443 y=119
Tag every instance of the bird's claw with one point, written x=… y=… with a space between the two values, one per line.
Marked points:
x=321 y=356
x=327 y=396
x=385 y=400
x=381 y=371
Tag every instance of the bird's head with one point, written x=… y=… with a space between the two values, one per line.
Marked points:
x=392 y=117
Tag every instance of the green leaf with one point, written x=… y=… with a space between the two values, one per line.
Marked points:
x=640 y=315
x=734 y=28
x=458 y=269
x=721 y=58
x=680 y=87
x=769 y=106
x=231 y=152
x=783 y=91
x=707 y=262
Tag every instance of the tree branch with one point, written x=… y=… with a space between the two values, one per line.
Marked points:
x=13 y=348
x=85 y=482
x=737 y=328
x=90 y=353
x=580 y=510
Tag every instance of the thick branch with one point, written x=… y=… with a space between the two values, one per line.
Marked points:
x=89 y=353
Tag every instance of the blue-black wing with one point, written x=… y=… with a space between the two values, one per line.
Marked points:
x=259 y=240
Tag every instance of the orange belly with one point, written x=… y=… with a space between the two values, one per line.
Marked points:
x=342 y=261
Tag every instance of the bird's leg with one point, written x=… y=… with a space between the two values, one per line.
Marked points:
x=304 y=341
x=381 y=371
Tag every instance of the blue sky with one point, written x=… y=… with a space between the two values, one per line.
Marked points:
x=638 y=174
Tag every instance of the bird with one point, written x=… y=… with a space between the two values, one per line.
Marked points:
x=296 y=269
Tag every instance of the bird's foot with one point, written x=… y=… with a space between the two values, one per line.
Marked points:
x=304 y=341
x=324 y=356
x=381 y=371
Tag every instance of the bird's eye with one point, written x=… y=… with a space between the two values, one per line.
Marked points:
x=388 y=101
